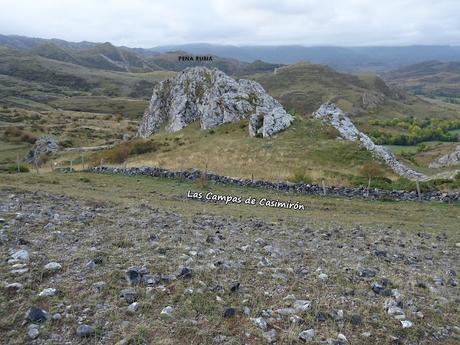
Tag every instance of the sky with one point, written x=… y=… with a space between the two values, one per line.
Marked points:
x=149 y=23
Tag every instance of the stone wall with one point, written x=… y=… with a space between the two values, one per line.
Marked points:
x=302 y=188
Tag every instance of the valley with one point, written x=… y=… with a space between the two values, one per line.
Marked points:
x=218 y=194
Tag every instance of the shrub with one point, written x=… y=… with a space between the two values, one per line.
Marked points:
x=202 y=181
x=13 y=168
x=300 y=176
x=17 y=134
x=139 y=147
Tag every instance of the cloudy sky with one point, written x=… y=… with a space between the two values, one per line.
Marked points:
x=148 y=23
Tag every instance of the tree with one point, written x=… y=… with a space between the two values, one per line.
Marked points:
x=370 y=170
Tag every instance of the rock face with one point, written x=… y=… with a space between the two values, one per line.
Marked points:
x=330 y=113
x=449 y=159
x=213 y=98
x=45 y=145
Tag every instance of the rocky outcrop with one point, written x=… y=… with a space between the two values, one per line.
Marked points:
x=212 y=98
x=449 y=159
x=330 y=113
x=45 y=145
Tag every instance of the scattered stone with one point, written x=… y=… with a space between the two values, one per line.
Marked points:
x=219 y=339
x=14 y=287
x=133 y=275
x=377 y=288
x=260 y=322
x=301 y=305
x=49 y=227
x=394 y=310
x=320 y=316
x=19 y=271
x=129 y=295
x=185 y=273
x=33 y=331
x=229 y=312
x=20 y=255
x=307 y=335
x=297 y=320
x=235 y=287
x=338 y=315
x=99 y=286
x=93 y=263
x=133 y=307
x=323 y=277
x=406 y=324
x=366 y=272
x=36 y=315
x=52 y=267
x=84 y=331
x=167 y=310
x=264 y=262
x=48 y=292
x=151 y=280
x=271 y=336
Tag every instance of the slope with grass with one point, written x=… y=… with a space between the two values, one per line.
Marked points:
x=431 y=78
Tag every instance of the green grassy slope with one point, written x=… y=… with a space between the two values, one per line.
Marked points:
x=431 y=78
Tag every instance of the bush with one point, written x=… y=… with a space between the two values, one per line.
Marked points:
x=300 y=176
x=17 y=134
x=13 y=168
x=139 y=147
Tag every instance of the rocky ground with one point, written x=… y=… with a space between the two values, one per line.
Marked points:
x=76 y=271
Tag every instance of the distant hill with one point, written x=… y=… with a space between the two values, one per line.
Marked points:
x=350 y=59
x=170 y=61
x=341 y=58
x=303 y=87
x=430 y=78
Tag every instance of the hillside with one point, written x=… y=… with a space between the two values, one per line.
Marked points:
x=46 y=85
x=430 y=78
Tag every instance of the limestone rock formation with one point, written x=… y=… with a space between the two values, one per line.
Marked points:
x=45 y=145
x=452 y=158
x=212 y=98
x=333 y=115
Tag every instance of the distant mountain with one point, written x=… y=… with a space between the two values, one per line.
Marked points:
x=429 y=78
x=106 y=56
x=23 y=42
x=170 y=61
x=341 y=58
x=348 y=59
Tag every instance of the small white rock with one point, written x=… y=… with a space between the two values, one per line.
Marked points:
x=21 y=255
x=342 y=337
x=323 y=276
x=167 y=310
x=48 y=292
x=406 y=324
x=53 y=266
x=260 y=322
x=302 y=305
x=33 y=331
x=307 y=335
x=14 y=287
x=133 y=307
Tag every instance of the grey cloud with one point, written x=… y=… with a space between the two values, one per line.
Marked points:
x=148 y=23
